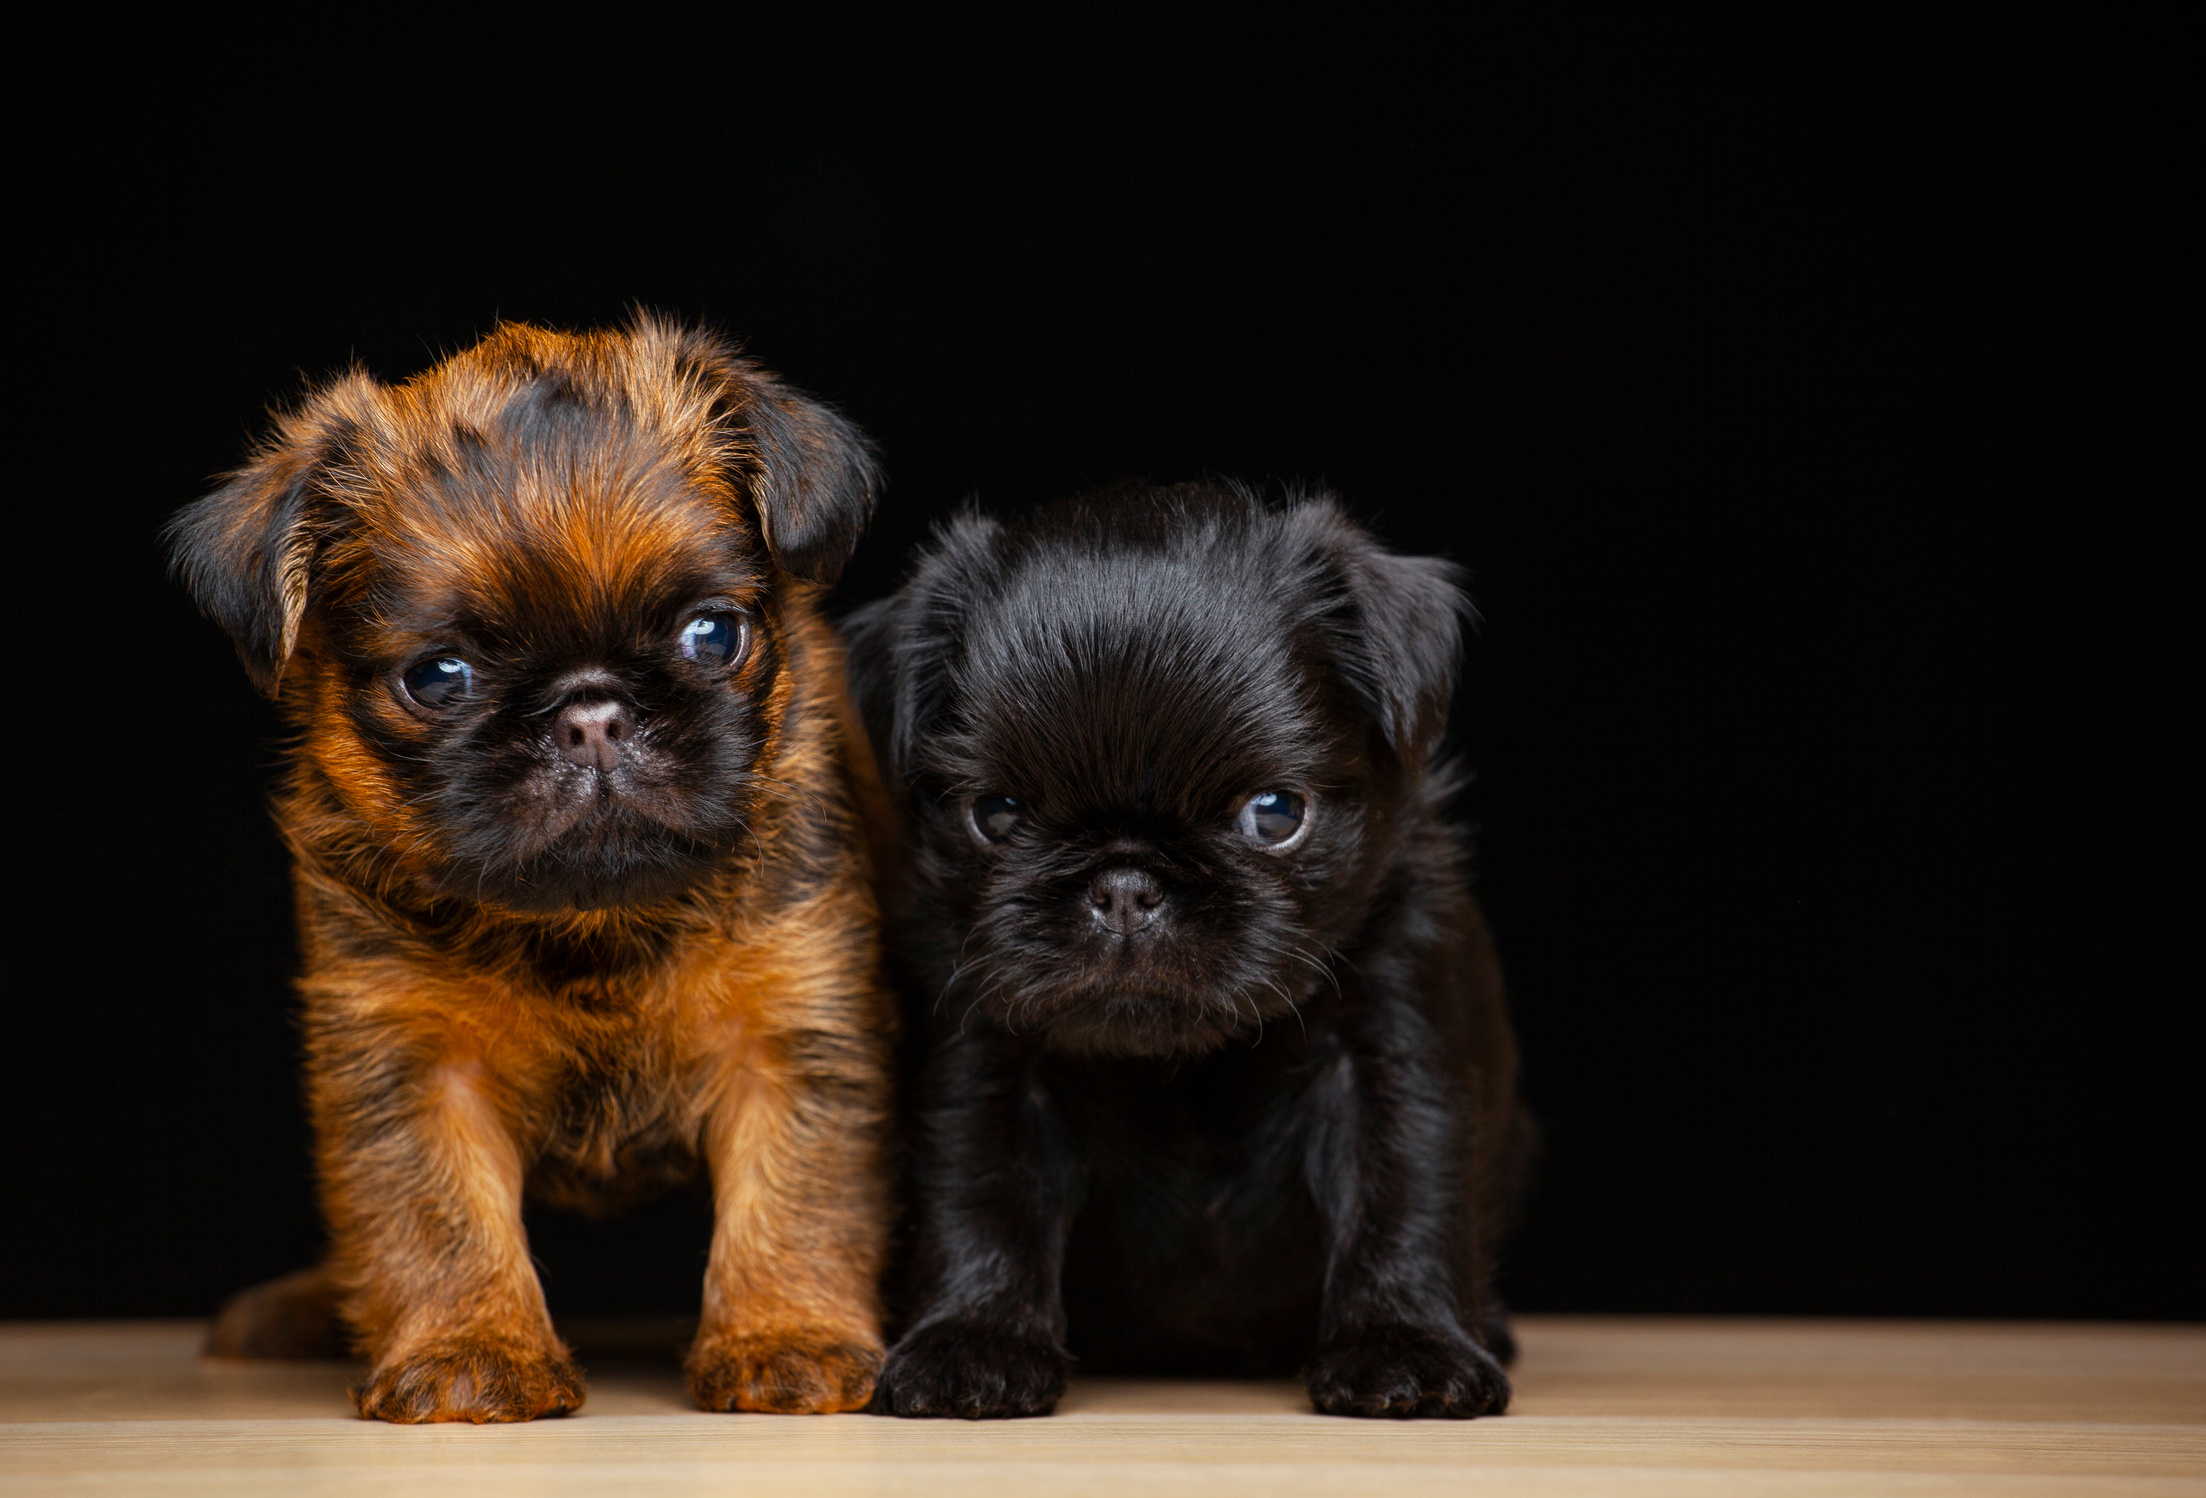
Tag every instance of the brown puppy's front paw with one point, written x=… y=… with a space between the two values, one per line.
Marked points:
x=800 y=1374
x=292 y=1318
x=971 y=1371
x=481 y=1380
x=1405 y=1372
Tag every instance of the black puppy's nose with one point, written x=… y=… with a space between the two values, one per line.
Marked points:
x=1125 y=900
x=592 y=734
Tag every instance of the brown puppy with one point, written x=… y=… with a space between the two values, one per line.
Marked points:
x=578 y=818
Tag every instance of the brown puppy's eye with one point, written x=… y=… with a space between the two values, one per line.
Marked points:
x=437 y=684
x=1276 y=819
x=994 y=818
x=713 y=639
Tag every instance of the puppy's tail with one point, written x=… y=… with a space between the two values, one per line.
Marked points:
x=292 y=1319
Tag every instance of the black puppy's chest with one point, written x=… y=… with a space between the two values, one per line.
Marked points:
x=1196 y=1244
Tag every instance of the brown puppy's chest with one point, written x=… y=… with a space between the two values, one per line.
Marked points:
x=614 y=1086
x=616 y=1128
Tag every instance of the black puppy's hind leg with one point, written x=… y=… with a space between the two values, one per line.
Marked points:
x=1385 y=1163
x=994 y=1181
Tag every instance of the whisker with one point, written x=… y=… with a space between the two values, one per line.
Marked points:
x=1321 y=968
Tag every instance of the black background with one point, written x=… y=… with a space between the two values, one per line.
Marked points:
x=1788 y=395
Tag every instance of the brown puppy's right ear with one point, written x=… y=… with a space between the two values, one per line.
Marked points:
x=247 y=550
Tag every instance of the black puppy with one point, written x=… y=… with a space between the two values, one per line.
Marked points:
x=1213 y=1072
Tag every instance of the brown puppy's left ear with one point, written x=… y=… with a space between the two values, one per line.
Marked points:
x=812 y=474
x=247 y=551
x=817 y=480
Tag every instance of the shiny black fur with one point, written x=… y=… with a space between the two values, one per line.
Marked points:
x=1274 y=1130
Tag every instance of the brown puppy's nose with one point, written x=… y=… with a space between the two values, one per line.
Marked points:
x=1125 y=900
x=592 y=734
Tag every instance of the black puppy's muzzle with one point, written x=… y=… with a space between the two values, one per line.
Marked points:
x=1127 y=901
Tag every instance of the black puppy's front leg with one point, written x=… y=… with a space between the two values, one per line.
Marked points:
x=994 y=1180
x=1385 y=1164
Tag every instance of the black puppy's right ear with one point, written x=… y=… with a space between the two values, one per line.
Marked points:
x=869 y=666
x=246 y=551
x=903 y=651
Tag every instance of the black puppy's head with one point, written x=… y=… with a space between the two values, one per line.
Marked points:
x=1157 y=744
x=528 y=611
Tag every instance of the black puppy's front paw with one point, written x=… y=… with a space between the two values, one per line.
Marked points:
x=1406 y=1372
x=1498 y=1335
x=969 y=1370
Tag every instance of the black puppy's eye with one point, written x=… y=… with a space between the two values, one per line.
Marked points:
x=713 y=639
x=1274 y=817
x=995 y=817
x=440 y=682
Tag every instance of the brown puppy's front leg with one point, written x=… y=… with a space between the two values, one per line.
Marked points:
x=792 y=1322
x=421 y=1179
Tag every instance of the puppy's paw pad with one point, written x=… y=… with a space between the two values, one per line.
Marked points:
x=1407 y=1372
x=818 y=1374
x=481 y=1380
x=970 y=1371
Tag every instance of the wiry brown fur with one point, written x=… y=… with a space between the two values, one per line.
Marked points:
x=463 y=1048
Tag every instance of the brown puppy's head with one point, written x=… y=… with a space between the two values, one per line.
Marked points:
x=528 y=609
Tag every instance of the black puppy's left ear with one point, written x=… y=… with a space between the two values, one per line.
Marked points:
x=813 y=476
x=1404 y=649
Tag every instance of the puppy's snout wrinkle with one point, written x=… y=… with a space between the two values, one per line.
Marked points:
x=1125 y=900
x=593 y=734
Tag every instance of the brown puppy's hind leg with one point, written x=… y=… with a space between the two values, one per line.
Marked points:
x=291 y=1319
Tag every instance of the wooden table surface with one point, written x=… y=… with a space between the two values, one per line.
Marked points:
x=1605 y=1405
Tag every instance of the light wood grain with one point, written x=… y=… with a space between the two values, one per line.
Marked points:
x=1605 y=1405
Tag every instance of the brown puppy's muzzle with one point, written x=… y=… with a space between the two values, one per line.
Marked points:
x=593 y=734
